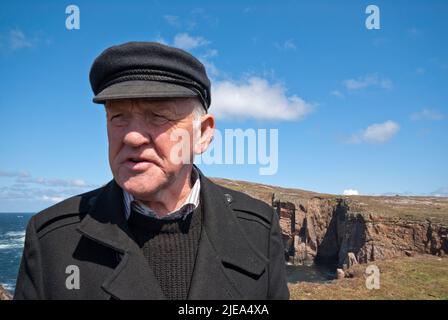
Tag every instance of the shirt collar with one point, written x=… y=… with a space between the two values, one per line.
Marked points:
x=190 y=204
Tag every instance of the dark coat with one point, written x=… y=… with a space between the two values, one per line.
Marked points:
x=240 y=255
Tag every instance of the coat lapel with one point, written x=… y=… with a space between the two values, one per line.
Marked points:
x=106 y=224
x=222 y=245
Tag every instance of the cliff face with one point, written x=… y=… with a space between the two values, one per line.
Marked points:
x=334 y=231
x=343 y=230
x=4 y=295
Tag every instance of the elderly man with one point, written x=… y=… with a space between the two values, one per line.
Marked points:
x=160 y=229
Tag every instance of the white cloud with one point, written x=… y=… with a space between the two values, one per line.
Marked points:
x=191 y=20
x=256 y=98
x=18 y=40
x=367 y=81
x=160 y=39
x=210 y=53
x=376 y=133
x=52 y=199
x=172 y=20
x=211 y=68
x=26 y=188
x=13 y=174
x=205 y=58
x=337 y=93
x=248 y=9
x=187 y=42
x=351 y=192
x=420 y=70
x=20 y=192
x=415 y=32
x=286 y=45
x=77 y=183
x=427 y=114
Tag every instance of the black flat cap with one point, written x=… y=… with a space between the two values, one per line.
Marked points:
x=148 y=70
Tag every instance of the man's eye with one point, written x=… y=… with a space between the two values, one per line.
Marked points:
x=116 y=116
x=117 y=119
x=159 y=119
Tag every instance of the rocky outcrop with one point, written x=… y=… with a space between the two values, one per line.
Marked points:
x=4 y=294
x=329 y=231
x=346 y=230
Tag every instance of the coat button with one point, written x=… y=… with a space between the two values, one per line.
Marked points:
x=229 y=198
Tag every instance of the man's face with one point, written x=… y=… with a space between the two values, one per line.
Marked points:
x=140 y=143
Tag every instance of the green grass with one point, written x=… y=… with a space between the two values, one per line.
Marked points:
x=414 y=278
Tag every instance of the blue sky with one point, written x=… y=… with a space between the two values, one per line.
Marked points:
x=356 y=109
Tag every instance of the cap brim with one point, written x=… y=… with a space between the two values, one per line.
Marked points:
x=143 y=89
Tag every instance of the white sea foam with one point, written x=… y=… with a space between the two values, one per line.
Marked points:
x=15 y=233
x=5 y=246
x=8 y=286
x=12 y=240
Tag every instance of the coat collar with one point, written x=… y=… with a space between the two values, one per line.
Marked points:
x=222 y=243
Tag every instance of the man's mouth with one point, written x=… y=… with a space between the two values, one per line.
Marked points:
x=138 y=163
x=136 y=160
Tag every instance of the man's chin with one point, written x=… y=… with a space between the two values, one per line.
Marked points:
x=140 y=186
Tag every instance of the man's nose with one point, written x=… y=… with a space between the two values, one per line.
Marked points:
x=137 y=134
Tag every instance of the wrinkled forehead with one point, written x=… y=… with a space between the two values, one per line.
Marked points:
x=176 y=106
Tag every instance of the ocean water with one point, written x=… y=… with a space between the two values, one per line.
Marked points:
x=12 y=238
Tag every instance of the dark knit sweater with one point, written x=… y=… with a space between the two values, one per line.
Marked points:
x=170 y=247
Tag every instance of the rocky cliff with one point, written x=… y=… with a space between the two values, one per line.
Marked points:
x=4 y=294
x=344 y=230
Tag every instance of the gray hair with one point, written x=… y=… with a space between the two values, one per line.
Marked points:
x=198 y=110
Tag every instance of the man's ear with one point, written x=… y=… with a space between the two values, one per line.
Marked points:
x=205 y=136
